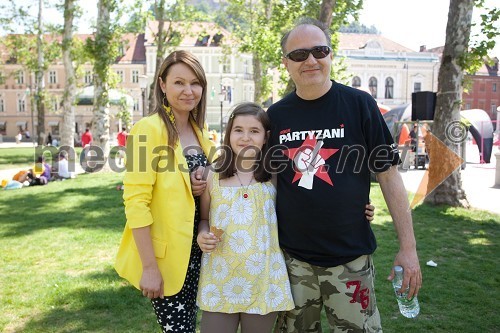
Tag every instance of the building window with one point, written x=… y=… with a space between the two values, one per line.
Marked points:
x=417 y=86
x=245 y=67
x=21 y=106
x=493 y=108
x=372 y=84
x=2 y=105
x=467 y=106
x=121 y=50
x=226 y=67
x=356 y=82
x=88 y=78
x=389 y=88
x=493 y=88
x=3 y=127
x=135 y=76
x=55 y=104
x=120 y=76
x=136 y=104
x=481 y=87
x=20 y=77
x=202 y=40
x=54 y=127
x=52 y=77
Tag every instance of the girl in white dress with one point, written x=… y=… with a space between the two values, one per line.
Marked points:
x=243 y=277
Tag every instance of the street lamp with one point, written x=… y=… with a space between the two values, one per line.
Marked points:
x=143 y=83
x=222 y=97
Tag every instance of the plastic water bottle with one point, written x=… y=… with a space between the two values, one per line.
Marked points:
x=409 y=308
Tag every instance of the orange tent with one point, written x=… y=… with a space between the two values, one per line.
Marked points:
x=383 y=108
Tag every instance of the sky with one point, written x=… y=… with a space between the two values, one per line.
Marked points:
x=409 y=23
x=414 y=23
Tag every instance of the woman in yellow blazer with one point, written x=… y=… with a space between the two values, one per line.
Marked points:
x=158 y=253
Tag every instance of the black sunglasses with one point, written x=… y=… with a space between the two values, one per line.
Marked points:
x=318 y=52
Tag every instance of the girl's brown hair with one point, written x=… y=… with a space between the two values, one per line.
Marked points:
x=226 y=162
x=199 y=112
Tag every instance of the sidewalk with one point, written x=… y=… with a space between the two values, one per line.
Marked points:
x=478 y=181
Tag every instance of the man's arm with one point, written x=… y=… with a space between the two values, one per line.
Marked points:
x=396 y=198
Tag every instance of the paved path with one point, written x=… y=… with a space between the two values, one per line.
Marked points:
x=477 y=179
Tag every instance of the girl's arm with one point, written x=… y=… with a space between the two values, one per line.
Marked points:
x=151 y=283
x=206 y=240
x=369 y=211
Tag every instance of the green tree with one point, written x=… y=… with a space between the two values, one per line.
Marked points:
x=259 y=25
x=34 y=50
x=104 y=50
x=68 y=102
x=460 y=54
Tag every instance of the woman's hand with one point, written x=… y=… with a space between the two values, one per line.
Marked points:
x=151 y=283
x=207 y=241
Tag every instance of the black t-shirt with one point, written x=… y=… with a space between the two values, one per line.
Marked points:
x=327 y=148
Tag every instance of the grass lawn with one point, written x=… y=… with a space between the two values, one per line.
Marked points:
x=11 y=158
x=16 y=158
x=58 y=243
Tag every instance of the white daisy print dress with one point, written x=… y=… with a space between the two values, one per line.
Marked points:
x=247 y=272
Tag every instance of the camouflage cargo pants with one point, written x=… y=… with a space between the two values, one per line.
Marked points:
x=346 y=292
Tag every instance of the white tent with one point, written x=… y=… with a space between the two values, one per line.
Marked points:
x=86 y=97
x=482 y=130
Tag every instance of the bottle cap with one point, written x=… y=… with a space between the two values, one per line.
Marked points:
x=398 y=269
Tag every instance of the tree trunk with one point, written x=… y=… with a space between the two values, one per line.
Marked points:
x=160 y=48
x=326 y=11
x=68 y=123
x=257 y=78
x=39 y=95
x=103 y=36
x=449 y=95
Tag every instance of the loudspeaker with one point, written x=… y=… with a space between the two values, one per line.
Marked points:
x=423 y=104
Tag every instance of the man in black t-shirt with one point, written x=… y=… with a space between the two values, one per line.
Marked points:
x=331 y=137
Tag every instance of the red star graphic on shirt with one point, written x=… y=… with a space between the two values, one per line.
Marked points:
x=325 y=153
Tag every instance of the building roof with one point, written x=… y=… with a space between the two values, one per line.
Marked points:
x=352 y=41
x=134 y=50
x=195 y=33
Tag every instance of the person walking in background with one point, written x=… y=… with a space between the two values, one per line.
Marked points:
x=121 y=138
x=158 y=253
x=49 y=139
x=19 y=137
x=243 y=276
x=330 y=136
x=87 y=138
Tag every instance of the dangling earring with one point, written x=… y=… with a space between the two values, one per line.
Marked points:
x=168 y=110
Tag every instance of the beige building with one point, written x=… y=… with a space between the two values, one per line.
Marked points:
x=388 y=70
x=17 y=85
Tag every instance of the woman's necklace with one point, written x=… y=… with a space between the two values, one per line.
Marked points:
x=245 y=188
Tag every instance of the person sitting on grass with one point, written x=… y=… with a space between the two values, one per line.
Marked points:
x=40 y=174
x=62 y=171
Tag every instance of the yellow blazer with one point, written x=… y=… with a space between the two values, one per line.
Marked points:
x=157 y=192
